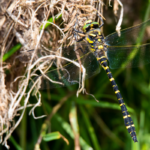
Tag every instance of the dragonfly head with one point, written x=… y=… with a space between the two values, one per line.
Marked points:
x=89 y=25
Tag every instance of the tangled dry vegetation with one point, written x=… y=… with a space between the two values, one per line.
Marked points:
x=23 y=22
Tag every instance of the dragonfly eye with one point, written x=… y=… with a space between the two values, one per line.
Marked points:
x=88 y=25
x=87 y=22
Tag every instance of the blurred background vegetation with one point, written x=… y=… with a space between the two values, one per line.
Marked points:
x=97 y=125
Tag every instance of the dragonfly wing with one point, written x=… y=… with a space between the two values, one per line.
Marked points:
x=69 y=73
x=128 y=36
x=129 y=56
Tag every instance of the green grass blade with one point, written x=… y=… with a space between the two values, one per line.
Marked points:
x=51 y=20
x=90 y=129
x=73 y=118
x=15 y=143
x=67 y=129
x=51 y=136
x=12 y=51
x=101 y=104
x=54 y=136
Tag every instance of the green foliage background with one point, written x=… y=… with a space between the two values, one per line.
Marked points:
x=100 y=124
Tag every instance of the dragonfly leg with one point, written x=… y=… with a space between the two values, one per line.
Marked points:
x=80 y=50
x=79 y=40
x=127 y=118
x=75 y=35
x=74 y=27
x=101 y=20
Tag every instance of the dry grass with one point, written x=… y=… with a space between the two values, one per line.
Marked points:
x=20 y=21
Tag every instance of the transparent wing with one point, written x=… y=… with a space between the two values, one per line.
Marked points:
x=69 y=73
x=128 y=36
x=128 y=56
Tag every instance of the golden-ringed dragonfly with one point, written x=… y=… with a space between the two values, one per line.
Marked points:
x=94 y=49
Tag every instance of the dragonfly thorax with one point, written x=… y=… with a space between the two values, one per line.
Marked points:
x=89 y=25
x=95 y=40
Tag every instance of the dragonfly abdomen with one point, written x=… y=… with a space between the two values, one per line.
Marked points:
x=127 y=119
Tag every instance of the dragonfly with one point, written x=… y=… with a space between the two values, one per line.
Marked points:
x=94 y=50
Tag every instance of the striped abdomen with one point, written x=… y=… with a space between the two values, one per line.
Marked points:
x=127 y=119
